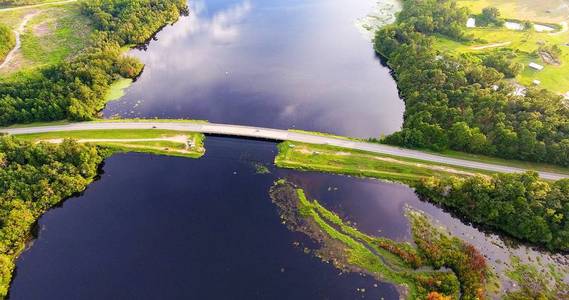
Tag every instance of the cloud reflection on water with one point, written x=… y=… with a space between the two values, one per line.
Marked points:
x=223 y=27
x=271 y=63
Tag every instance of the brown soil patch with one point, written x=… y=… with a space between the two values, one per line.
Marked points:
x=42 y=29
x=548 y=58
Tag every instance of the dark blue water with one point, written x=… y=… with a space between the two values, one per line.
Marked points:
x=173 y=228
x=157 y=227
x=272 y=63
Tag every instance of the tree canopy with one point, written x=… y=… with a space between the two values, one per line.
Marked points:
x=34 y=178
x=462 y=102
x=75 y=89
x=519 y=204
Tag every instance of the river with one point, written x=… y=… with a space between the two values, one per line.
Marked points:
x=269 y=63
x=164 y=227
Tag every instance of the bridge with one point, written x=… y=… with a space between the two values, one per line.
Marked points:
x=277 y=135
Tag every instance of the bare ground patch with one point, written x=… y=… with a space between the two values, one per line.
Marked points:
x=42 y=29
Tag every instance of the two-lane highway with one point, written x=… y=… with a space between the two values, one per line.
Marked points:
x=278 y=135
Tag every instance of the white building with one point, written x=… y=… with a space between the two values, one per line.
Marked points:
x=535 y=66
x=536 y=82
x=514 y=26
x=542 y=28
x=471 y=23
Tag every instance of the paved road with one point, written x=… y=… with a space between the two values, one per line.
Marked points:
x=279 y=135
x=36 y=5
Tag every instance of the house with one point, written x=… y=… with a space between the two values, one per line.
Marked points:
x=536 y=82
x=535 y=66
x=471 y=23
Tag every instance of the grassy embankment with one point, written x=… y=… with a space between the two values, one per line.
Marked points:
x=554 y=77
x=412 y=268
x=7 y=41
x=463 y=155
x=333 y=159
x=155 y=141
x=54 y=33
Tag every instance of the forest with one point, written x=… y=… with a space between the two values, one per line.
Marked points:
x=7 y=41
x=33 y=178
x=463 y=102
x=521 y=205
x=75 y=89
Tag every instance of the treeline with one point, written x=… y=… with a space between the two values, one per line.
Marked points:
x=518 y=204
x=462 y=102
x=34 y=178
x=7 y=41
x=75 y=89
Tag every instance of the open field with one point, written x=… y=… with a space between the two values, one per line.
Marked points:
x=162 y=142
x=554 y=77
x=542 y=10
x=524 y=43
x=52 y=34
x=332 y=159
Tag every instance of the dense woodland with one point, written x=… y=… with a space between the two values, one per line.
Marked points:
x=462 y=102
x=7 y=41
x=519 y=204
x=76 y=88
x=34 y=178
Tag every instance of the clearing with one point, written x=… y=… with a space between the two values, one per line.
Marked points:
x=524 y=43
x=547 y=11
x=49 y=34
x=162 y=142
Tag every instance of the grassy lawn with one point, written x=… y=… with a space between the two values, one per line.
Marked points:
x=363 y=164
x=524 y=43
x=162 y=142
x=53 y=34
x=543 y=10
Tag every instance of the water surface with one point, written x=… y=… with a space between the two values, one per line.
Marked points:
x=164 y=227
x=173 y=228
x=272 y=63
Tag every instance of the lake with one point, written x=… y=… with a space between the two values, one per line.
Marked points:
x=280 y=64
